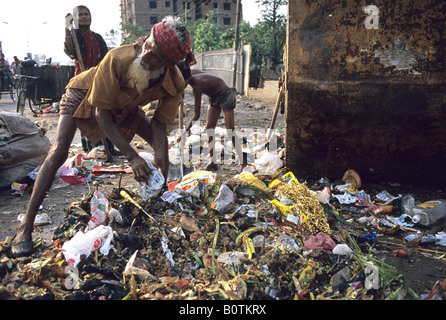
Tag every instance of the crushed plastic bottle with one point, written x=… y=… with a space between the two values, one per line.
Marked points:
x=429 y=212
x=99 y=208
x=426 y=213
x=407 y=204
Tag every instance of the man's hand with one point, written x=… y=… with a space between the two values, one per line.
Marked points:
x=68 y=20
x=141 y=170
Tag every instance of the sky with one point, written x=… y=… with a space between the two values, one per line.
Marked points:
x=38 y=26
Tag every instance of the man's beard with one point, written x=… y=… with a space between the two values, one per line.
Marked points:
x=139 y=75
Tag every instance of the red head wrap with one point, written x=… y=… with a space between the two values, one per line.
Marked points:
x=171 y=46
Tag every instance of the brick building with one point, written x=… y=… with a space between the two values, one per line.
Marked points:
x=145 y=13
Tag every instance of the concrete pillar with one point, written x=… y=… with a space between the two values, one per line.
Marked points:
x=366 y=89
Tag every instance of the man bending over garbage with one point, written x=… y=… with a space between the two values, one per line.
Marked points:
x=222 y=98
x=105 y=100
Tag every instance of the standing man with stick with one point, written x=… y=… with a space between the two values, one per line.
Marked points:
x=87 y=49
x=91 y=45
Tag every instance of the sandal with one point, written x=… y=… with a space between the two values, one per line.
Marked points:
x=211 y=167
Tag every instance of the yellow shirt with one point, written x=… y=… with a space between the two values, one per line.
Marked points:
x=108 y=90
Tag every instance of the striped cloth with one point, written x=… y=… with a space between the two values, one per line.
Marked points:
x=172 y=47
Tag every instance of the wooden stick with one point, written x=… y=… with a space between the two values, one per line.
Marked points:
x=415 y=248
x=76 y=47
x=276 y=110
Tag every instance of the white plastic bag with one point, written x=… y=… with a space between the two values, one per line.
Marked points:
x=268 y=163
x=83 y=244
x=341 y=249
x=231 y=258
x=166 y=250
x=40 y=219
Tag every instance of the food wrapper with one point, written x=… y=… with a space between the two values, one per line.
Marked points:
x=249 y=178
x=286 y=210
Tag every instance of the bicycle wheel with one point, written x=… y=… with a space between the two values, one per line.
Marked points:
x=35 y=108
x=11 y=93
x=21 y=102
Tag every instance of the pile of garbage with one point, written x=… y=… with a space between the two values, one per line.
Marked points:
x=210 y=236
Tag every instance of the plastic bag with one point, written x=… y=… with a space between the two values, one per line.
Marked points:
x=287 y=243
x=154 y=183
x=39 y=220
x=285 y=210
x=166 y=250
x=268 y=163
x=98 y=210
x=207 y=177
x=319 y=242
x=191 y=182
x=69 y=171
x=170 y=196
x=231 y=258
x=115 y=215
x=224 y=199
x=342 y=249
x=83 y=244
x=174 y=156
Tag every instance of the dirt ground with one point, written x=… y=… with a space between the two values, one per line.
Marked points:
x=424 y=266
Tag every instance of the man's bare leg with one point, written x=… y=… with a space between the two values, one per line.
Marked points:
x=211 y=123
x=56 y=157
x=230 y=131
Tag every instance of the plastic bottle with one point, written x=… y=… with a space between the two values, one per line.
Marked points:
x=407 y=204
x=429 y=212
x=425 y=213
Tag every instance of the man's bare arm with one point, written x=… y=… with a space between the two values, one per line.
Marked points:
x=197 y=108
x=140 y=168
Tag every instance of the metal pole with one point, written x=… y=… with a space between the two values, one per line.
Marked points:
x=183 y=137
x=236 y=42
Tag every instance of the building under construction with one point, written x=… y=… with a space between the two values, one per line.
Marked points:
x=146 y=13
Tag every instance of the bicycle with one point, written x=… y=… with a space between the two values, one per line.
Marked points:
x=43 y=87
x=24 y=83
x=6 y=86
